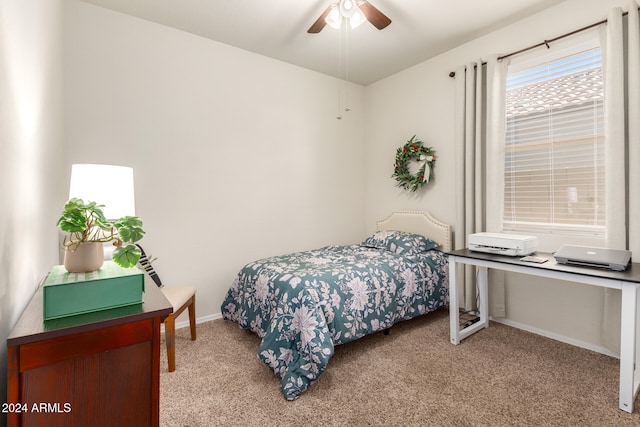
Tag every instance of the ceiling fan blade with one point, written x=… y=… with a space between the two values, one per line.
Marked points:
x=320 y=22
x=373 y=15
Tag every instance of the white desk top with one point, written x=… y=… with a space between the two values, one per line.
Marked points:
x=631 y=274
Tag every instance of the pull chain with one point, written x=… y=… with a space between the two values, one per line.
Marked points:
x=338 y=115
x=346 y=66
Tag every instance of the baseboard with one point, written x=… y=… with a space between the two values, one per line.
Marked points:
x=561 y=338
x=185 y=323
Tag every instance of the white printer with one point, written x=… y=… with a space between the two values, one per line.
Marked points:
x=503 y=244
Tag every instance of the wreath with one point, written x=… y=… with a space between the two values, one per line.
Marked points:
x=414 y=151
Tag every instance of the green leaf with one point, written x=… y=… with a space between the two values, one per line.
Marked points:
x=71 y=226
x=130 y=228
x=130 y=234
x=126 y=256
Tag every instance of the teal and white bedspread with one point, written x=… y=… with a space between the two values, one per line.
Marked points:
x=304 y=304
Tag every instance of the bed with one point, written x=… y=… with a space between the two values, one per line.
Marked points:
x=304 y=304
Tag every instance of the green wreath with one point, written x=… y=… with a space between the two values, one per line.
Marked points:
x=413 y=150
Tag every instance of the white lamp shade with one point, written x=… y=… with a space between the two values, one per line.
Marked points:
x=108 y=185
x=357 y=19
x=334 y=19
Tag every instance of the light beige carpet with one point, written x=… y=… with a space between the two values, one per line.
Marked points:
x=501 y=376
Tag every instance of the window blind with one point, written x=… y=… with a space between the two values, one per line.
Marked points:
x=554 y=146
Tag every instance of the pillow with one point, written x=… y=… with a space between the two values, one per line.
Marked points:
x=399 y=242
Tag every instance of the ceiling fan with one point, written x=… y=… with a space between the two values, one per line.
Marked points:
x=355 y=11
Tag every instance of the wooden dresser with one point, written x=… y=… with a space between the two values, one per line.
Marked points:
x=97 y=369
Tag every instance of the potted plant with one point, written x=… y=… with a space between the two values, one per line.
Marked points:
x=89 y=229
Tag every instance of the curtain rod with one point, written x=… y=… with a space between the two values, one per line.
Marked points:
x=452 y=74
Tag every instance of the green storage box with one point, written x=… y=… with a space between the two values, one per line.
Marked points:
x=69 y=294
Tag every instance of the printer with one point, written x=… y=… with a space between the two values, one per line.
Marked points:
x=503 y=244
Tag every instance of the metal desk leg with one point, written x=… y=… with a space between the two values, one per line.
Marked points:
x=454 y=314
x=628 y=336
x=456 y=334
x=483 y=290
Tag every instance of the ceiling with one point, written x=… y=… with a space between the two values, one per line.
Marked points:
x=420 y=29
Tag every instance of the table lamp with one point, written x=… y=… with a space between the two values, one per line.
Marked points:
x=108 y=185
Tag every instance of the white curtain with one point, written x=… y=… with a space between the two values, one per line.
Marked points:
x=633 y=128
x=622 y=133
x=479 y=142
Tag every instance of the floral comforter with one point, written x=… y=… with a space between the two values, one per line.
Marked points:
x=304 y=304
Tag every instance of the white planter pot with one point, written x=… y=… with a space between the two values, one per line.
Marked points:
x=88 y=256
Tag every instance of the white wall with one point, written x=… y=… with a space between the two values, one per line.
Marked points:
x=417 y=101
x=30 y=155
x=421 y=100
x=236 y=156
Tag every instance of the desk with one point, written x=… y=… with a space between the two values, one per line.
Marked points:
x=98 y=369
x=627 y=281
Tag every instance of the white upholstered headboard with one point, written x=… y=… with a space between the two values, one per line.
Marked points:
x=419 y=223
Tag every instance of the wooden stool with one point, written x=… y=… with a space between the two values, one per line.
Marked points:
x=181 y=298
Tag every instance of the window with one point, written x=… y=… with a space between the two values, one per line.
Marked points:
x=554 y=144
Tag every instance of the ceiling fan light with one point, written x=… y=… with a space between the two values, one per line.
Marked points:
x=347 y=8
x=334 y=19
x=357 y=19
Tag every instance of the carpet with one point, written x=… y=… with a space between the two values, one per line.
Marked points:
x=500 y=376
